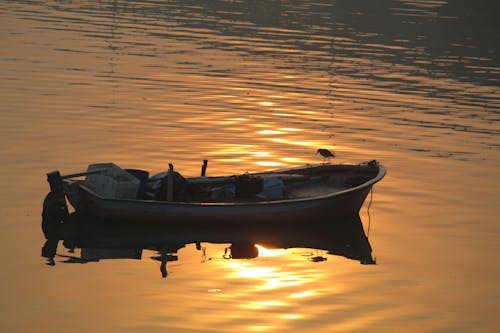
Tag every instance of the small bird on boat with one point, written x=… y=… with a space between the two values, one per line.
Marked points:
x=325 y=153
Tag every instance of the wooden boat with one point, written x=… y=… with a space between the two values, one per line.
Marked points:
x=325 y=191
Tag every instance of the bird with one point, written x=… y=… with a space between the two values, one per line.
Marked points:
x=325 y=153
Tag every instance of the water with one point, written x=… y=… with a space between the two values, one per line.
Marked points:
x=252 y=85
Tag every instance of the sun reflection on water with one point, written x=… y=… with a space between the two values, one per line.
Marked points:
x=291 y=316
x=270 y=292
x=260 y=153
x=260 y=328
x=293 y=142
x=265 y=132
x=272 y=278
x=264 y=252
x=259 y=305
x=268 y=163
x=232 y=121
x=283 y=114
x=294 y=160
x=303 y=294
x=290 y=129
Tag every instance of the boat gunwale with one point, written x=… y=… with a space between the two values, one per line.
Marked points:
x=381 y=173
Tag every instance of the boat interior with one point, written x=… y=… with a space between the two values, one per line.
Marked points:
x=292 y=183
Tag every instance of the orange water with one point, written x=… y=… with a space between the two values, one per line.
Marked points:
x=249 y=86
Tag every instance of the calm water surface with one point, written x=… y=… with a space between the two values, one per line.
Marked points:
x=252 y=85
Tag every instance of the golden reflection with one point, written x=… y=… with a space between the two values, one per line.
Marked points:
x=277 y=140
x=268 y=163
x=271 y=277
x=290 y=129
x=264 y=103
x=260 y=328
x=308 y=112
x=293 y=160
x=292 y=142
x=232 y=149
x=282 y=114
x=269 y=252
x=291 y=316
x=260 y=153
x=232 y=121
x=260 y=305
x=230 y=160
x=245 y=270
x=303 y=143
x=286 y=280
x=303 y=294
x=265 y=132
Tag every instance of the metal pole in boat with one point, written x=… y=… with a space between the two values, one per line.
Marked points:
x=170 y=182
x=204 y=168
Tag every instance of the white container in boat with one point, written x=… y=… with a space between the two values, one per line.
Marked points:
x=113 y=182
x=273 y=188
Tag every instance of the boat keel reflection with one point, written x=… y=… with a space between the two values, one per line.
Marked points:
x=102 y=241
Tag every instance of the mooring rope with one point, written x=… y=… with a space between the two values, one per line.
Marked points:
x=368 y=212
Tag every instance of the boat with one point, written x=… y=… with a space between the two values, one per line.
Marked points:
x=285 y=196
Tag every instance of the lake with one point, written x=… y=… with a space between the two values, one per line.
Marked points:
x=250 y=86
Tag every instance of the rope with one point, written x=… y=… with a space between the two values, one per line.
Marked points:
x=368 y=212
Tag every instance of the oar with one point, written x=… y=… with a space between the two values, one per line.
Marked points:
x=86 y=173
x=55 y=179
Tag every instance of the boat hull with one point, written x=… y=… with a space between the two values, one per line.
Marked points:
x=160 y=212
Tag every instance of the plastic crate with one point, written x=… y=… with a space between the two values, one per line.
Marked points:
x=113 y=182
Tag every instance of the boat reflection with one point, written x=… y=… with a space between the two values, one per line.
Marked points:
x=101 y=241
